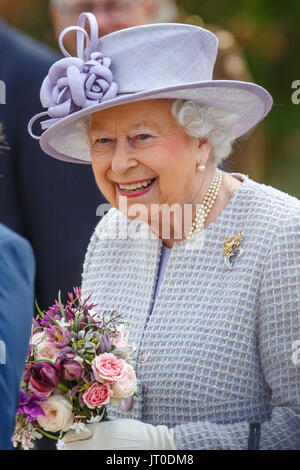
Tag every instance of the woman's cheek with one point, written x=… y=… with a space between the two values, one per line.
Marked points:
x=97 y=167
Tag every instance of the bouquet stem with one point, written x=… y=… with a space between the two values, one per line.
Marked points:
x=45 y=433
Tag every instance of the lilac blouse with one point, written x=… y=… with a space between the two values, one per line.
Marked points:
x=164 y=256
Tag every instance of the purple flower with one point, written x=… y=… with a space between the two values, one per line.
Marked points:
x=36 y=328
x=27 y=372
x=29 y=351
x=43 y=378
x=58 y=337
x=73 y=84
x=127 y=403
x=104 y=345
x=29 y=406
x=80 y=399
x=76 y=389
x=52 y=312
x=85 y=319
x=67 y=366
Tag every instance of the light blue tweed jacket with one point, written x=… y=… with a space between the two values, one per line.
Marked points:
x=219 y=341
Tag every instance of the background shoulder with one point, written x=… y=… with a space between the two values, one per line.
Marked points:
x=16 y=256
x=13 y=244
x=28 y=50
x=25 y=63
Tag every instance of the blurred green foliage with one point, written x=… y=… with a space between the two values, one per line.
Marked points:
x=268 y=31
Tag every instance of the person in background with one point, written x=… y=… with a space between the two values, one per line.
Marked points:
x=17 y=270
x=112 y=15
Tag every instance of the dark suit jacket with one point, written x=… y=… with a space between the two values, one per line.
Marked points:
x=51 y=203
x=16 y=306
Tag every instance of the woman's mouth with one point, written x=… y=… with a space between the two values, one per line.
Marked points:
x=137 y=189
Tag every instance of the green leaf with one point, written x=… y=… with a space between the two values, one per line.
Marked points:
x=62 y=387
x=38 y=309
x=61 y=306
x=53 y=319
x=75 y=323
x=45 y=433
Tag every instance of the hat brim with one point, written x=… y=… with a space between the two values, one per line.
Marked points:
x=65 y=140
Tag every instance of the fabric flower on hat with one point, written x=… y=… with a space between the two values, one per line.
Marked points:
x=74 y=84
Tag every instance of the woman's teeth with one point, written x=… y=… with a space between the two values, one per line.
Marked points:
x=131 y=188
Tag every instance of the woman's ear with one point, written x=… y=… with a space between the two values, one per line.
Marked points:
x=203 y=150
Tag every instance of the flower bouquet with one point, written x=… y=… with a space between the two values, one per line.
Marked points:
x=77 y=364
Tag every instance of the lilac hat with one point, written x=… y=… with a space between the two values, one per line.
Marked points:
x=145 y=62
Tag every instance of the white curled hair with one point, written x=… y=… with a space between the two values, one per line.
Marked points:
x=204 y=121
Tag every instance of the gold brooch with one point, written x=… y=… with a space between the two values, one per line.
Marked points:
x=229 y=249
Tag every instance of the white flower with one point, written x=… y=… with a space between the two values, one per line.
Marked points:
x=126 y=387
x=94 y=419
x=78 y=427
x=62 y=323
x=46 y=351
x=37 y=338
x=58 y=414
x=25 y=435
x=79 y=359
x=60 y=445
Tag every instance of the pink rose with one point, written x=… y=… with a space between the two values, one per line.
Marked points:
x=108 y=368
x=126 y=387
x=97 y=395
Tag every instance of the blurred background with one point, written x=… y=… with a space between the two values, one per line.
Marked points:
x=268 y=33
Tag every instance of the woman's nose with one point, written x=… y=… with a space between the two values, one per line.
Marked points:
x=123 y=158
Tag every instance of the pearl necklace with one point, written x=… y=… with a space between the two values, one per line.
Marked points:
x=206 y=205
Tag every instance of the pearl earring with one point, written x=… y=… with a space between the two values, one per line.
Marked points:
x=201 y=168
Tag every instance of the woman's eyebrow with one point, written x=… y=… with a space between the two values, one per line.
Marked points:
x=148 y=125
x=145 y=125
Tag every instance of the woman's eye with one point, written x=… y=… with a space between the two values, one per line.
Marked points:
x=144 y=136
x=102 y=141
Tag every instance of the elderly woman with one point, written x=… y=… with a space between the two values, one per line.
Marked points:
x=202 y=265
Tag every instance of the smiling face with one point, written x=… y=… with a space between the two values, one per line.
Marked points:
x=143 y=142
